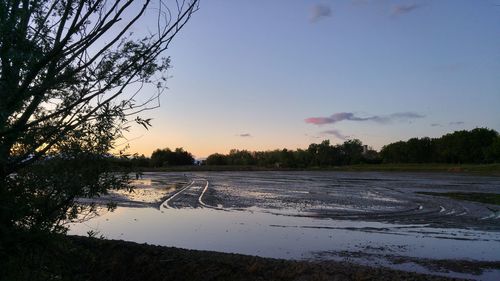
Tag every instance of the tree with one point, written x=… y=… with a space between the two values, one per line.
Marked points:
x=395 y=152
x=323 y=154
x=475 y=146
x=216 y=159
x=166 y=157
x=493 y=152
x=240 y=157
x=353 y=150
x=70 y=74
x=139 y=160
x=302 y=158
x=371 y=156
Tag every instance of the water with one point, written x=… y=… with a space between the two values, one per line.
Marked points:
x=255 y=226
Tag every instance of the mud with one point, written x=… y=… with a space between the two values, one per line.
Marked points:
x=370 y=218
x=384 y=197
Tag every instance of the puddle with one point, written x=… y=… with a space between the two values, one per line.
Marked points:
x=270 y=223
x=269 y=235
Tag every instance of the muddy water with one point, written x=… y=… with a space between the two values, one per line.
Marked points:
x=368 y=218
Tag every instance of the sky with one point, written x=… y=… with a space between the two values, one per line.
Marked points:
x=263 y=75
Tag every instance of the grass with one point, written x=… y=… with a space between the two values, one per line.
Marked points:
x=488 y=198
x=482 y=169
x=426 y=167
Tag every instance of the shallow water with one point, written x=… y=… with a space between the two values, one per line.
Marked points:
x=258 y=227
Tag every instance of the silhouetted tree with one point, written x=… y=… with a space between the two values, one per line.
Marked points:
x=140 y=161
x=216 y=159
x=240 y=157
x=302 y=158
x=372 y=157
x=493 y=152
x=166 y=157
x=323 y=154
x=70 y=72
x=475 y=146
x=353 y=151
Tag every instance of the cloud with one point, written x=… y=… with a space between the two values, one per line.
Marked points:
x=335 y=133
x=456 y=123
x=349 y=116
x=401 y=9
x=334 y=118
x=245 y=135
x=436 y=125
x=319 y=11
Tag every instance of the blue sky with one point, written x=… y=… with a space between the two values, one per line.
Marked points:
x=249 y=74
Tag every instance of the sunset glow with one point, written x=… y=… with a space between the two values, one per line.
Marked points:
x=262 y=75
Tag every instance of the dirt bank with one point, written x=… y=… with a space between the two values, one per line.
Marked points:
x=119 y=260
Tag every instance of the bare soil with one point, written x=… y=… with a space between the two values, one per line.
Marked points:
x=120 y=260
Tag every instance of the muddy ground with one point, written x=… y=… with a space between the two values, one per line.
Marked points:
x=393 y=198
x=119 y=260
x=372 y=196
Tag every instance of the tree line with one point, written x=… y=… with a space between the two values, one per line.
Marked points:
x=477 y=146
x=159 y=158
x=316 y=155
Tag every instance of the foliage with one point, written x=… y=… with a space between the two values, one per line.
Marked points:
x=70 y=75
x=492 y=153
x=32 y=207
x=479 y=145
x=167 y=157
x=317 y=155
x=216 y=159
x=139 y=161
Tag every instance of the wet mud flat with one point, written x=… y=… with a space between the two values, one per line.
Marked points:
x=372 y=196
x=367 y=218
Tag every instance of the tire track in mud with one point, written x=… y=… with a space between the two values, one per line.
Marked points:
x=200 y=199
x=383 y=200
x=434 y=211
x=165 y=204
x=429 y=210
x=190 y=196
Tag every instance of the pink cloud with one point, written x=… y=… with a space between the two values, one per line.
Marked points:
x=318 y=120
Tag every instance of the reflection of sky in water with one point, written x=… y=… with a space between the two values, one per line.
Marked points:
x=270 y=216
x=269 y=235
x=152 y=189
